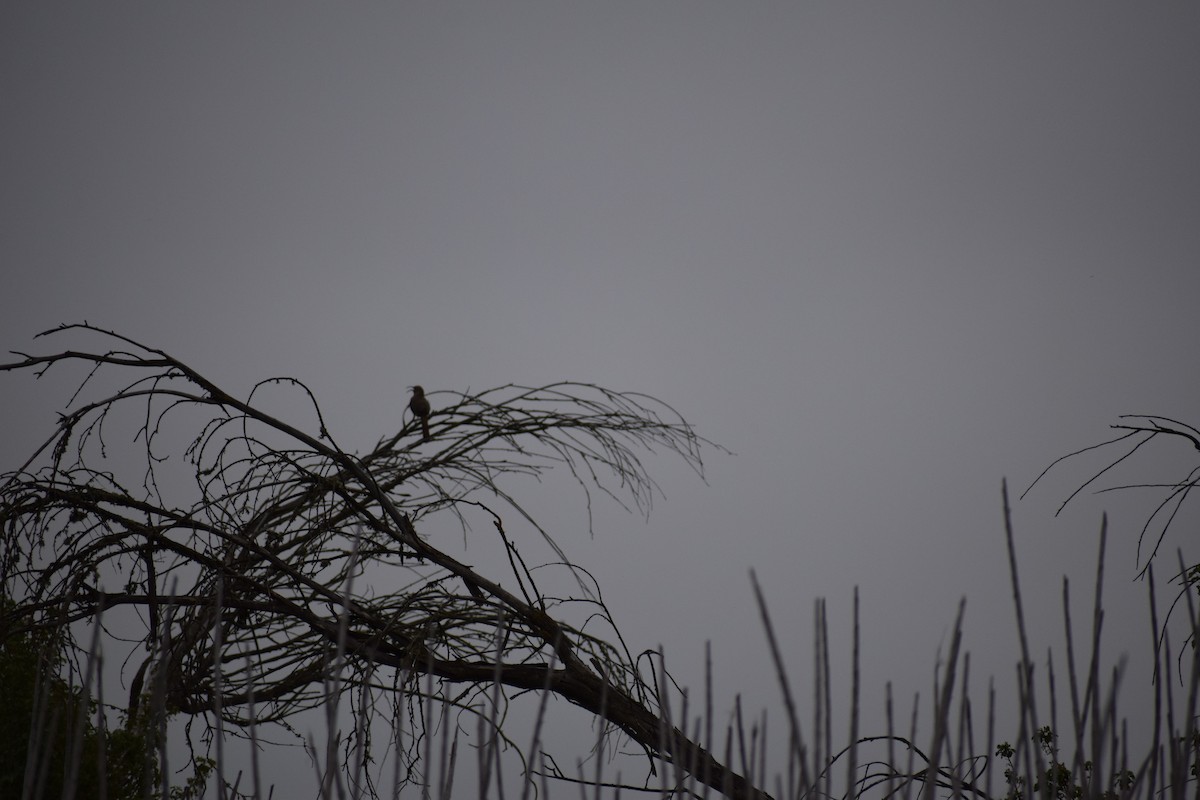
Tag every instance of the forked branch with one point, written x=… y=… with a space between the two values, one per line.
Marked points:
x=264 y=546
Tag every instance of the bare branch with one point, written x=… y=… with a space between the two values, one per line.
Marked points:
x=299 y=568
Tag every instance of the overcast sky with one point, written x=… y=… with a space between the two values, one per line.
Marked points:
x=888 y=254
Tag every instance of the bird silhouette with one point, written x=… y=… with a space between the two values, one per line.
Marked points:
x=419 y=406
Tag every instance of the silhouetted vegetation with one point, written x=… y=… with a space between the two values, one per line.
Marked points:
x=267 y=573
x=1140 y=431
x=53 y=736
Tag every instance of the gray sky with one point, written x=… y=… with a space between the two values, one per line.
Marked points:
x=886 y=253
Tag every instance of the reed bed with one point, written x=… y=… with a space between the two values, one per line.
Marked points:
x=1070 y=741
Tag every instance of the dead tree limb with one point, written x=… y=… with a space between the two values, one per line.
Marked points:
x=298 y=565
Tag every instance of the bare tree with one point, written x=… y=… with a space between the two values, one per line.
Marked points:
x=1138 y=431
x=276 y=572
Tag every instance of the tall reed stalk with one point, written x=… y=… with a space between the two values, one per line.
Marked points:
x=1064 y=747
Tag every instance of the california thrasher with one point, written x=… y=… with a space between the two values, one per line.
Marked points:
x=419 y=406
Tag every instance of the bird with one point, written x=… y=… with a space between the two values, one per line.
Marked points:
x=419 y=406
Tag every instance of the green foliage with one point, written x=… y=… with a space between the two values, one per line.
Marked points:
x=42 y=710
x=193 y=789
x=1057 y=781
x=1192 y=746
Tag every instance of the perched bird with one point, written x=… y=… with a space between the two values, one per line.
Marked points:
x=419 y=406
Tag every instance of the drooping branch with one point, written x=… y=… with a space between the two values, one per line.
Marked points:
x=287 y=553
x=1141 y=429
